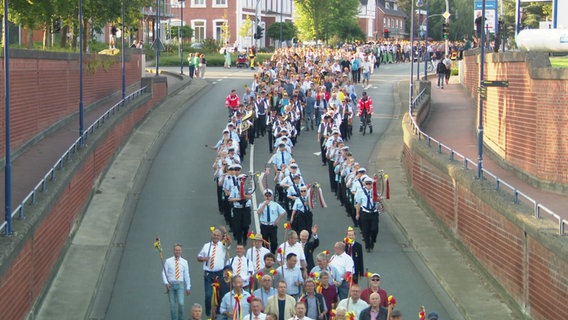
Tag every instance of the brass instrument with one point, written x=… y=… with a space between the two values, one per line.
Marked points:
x=244 y=125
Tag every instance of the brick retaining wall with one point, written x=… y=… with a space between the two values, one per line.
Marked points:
x=525 y=256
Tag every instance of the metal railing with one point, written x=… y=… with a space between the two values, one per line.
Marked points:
x=517 y=196
x=41 y=186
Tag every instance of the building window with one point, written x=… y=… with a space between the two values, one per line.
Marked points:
x=198 y=4
x=220 y=4
x=219 y=31
x=198 y=30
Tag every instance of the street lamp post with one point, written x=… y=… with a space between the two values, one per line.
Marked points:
x=123 y=55
x=81 y=108
x=8 y=165
x=419 y=4
x=426 y=42
x=281 y=20
x=411 y=91
x=180 y=35
x=480 y=115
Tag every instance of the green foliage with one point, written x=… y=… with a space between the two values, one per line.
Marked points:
x=187 y=32
x=559 y=62
x=213 y=59
x=318 y=19
x=211 y=45
x=455 y=72
x=288 y=31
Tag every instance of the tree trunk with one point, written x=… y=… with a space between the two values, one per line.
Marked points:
x=30 y=36
x=64 y=32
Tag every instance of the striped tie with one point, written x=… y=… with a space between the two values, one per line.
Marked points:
x=212 y=260
x=239 y=267
x=257 y=259
x=177 y=270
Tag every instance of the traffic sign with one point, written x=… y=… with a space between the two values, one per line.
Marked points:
x=496 y=83
x=158 y=44
x=446 y=15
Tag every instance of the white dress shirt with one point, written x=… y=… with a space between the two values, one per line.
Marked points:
x=297 y=248
x=246 y=268
x=260 y=316
x=220 y=254
x=253 y=253
x=343 y=263
x=169 y=272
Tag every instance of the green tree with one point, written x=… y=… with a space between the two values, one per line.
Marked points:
x=187 y=32
x=288 y=31
x=318 y=19
x=246 y=28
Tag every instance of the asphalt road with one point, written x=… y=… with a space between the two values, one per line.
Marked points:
x=178 y=204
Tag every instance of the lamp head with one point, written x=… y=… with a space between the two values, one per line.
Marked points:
x=419 y=3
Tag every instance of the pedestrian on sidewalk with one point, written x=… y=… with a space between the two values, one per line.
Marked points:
x=175 y=276
x=191 y=65
x=441 y=73
x=202 y=66
x=448 y=63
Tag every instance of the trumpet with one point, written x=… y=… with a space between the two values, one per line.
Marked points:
x=244 y=125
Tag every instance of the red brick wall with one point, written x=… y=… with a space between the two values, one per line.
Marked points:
x=532 y=270
x=43 y=90
x=526 y=123
x=25 y=278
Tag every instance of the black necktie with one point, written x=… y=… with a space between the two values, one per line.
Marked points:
x=234 y=181
x=282 y=154
x=268 y=212
x=367 y=193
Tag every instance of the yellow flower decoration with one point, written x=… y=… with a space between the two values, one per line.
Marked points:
x=157 y=244
x=212 y=229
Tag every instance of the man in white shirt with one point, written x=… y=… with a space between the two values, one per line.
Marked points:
x=300 y=312
x=293 y=246
x=256 y=308
x=344 y=265
x=354 y=303
x=256 y=254
x=241 y=266
x=212 y=255
x=175 y=276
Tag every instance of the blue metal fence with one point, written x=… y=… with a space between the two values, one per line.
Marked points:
x=517 y=196
x=31 y=198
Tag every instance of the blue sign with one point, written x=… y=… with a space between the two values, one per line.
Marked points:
x=564 y=39
x=489 y=4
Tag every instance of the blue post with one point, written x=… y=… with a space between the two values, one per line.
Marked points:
x=81 y=107
x=554 y=14
x=517 y=17
x=480 y=116
x=123 y=56
x=181 y=36
x=8 y=166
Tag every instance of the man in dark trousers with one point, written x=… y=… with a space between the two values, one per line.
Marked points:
x=355 y=250
x=309 y=246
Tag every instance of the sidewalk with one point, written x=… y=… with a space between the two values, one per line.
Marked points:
x=36 y=160
x=453 y=121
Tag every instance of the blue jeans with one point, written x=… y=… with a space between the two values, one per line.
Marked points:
x=176 y=300
x=441 y=78
x=343 y=290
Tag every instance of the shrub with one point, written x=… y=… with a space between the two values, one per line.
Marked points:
x=454 y=72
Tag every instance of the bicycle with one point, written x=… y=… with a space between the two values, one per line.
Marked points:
x=365 y=121
x=432 y=66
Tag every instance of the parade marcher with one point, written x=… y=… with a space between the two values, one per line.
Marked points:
x=196 y=312
x=257 y=253
x=292 y=194
x=365 y=106
x=302 y=217
x=344 y=265
x=269 y=267
x=292 y=274
x=255 y=310
x=281 y=304
x=212 y=255
x=175 y=276
x=261 y=109
x=367 y=213
x=291 y=245
x=234 y=304
x=315 y=303
x=375 y=288
x=309 y=245
x=323 y=265
x=353 y=303
x=229 y=181
x=300 y=312
x=329 y=292
x=355 y=250
x=354 y=186
x=240 y=197
x=265 y=290
x=324 y=131
x=241 y=266
x=375 y=311
x=270 y=213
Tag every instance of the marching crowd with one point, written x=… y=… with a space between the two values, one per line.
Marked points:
x=298 y=90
